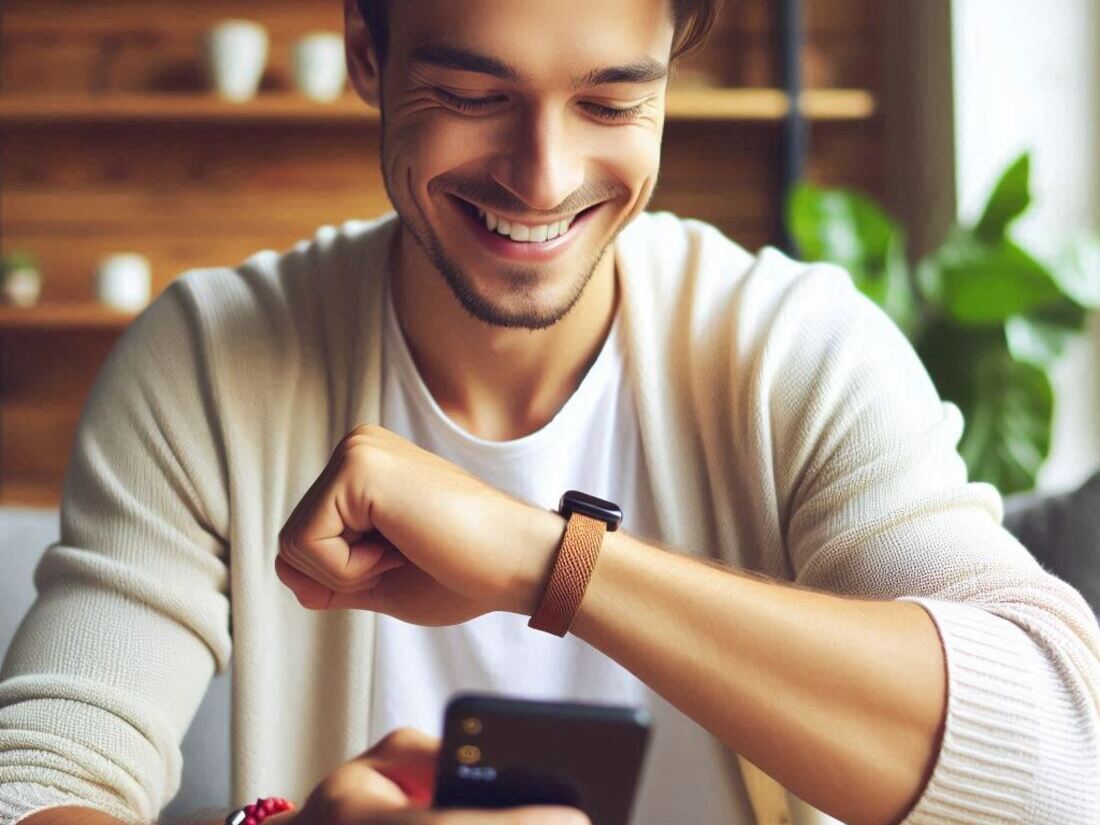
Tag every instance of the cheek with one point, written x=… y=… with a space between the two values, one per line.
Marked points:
x=430 y=146
x=630 y=156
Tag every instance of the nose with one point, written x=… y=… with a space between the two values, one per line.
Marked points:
x=540 y=165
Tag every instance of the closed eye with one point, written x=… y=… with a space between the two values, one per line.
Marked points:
x=482 y=105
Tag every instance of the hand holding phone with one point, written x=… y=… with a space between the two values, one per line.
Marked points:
x=501 y=752
x=391 y=784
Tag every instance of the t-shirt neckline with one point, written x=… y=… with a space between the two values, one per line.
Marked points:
x=578 y=405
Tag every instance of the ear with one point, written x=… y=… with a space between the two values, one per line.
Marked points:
x=362 y=60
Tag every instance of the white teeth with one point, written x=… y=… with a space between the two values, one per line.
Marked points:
x=522 y=232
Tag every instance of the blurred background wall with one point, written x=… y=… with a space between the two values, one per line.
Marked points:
x=1027 y=75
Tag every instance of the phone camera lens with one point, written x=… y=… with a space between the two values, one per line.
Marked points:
x=468 y=754
x=471 y=726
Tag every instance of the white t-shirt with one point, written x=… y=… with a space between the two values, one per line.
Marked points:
x=592 y=444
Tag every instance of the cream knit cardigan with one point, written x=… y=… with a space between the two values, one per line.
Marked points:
x=789 y=429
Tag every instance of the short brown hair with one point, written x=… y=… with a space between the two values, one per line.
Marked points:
x=693 y=20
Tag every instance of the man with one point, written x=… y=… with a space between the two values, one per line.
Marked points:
x=522 y=328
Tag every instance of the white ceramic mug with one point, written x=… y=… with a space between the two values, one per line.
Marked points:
x=236 y=54
x=319 y=65
x=124 y=281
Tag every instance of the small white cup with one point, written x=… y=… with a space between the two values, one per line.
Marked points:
x=236 y=54
x=320 y=68
x=124 y=281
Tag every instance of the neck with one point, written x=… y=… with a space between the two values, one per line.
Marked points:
x=496 y=383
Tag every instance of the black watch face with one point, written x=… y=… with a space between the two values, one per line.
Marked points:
x=574 y=501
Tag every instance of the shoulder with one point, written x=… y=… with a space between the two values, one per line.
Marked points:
x=689 y=276
x=274 y=293
x=249 y=331
x=665 y=255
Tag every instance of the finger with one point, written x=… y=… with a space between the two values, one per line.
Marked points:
x=338 y=565
x=315 y=537
x=313 y=586
x=312 y=494
x=309 y=592
x=407 y=757
x=530 y=815
x=315 y=595
x=370 y=557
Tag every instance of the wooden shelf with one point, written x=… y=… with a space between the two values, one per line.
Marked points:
x=274 y=107
x=72 y=316
x=686 y=104
x=38 y=495
x=768 y=104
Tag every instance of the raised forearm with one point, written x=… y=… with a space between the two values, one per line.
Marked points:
x=840 y=699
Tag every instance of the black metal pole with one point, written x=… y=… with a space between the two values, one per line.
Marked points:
x=795 y=137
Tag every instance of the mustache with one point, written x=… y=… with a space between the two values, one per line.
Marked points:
x=495 y=198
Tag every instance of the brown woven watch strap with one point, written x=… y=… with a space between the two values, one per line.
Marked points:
x=569 y=579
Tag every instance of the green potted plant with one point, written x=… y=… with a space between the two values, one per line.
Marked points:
x=987 y=317
x=20 y=281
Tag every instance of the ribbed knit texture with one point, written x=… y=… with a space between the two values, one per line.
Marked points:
x=788 y=429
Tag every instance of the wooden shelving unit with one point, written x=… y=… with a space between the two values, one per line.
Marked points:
x=111 y=142
x=687 y=104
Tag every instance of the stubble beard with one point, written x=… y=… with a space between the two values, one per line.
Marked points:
x=521 y=310
x=521 y=286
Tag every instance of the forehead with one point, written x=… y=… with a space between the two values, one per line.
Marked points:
x=542 y=39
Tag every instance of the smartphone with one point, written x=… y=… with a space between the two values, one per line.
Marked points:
x=501 y=752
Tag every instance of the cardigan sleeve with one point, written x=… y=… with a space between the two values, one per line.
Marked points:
x=131 y=618
x=875 y=502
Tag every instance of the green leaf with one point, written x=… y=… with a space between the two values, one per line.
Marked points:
x=1078 y=271
x=1041 y=336
x=17 y=260
x=979 y=283
x=849 y=230
x=1010 y=197
x=1007 y=404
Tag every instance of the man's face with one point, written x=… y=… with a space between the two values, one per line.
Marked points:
x=519 y=137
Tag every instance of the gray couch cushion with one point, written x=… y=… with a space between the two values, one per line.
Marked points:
x=24 y=534
x=1063 y=533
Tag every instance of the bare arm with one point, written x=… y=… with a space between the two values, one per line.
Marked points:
x=73 y=815
x=840 y=699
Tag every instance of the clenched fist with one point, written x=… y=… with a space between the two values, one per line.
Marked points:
x=393 y=528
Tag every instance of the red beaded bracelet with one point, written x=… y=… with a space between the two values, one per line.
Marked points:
x=258 y=811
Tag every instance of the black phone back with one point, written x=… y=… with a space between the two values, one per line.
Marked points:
x=501 y=752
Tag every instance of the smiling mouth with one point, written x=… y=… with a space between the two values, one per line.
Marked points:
x=516 y=231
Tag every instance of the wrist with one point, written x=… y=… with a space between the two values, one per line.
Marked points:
x=537 y=542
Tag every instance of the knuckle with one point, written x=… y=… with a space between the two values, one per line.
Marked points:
x=400 y=738
x=363 y=435
x=286 y=540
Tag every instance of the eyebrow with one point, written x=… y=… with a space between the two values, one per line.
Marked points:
x=444 y=56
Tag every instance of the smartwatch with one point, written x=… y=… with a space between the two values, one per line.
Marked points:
x=589 y=518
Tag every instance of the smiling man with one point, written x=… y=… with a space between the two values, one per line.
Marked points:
x=804 y=576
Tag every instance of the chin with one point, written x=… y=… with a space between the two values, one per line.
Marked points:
x=516 y=298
